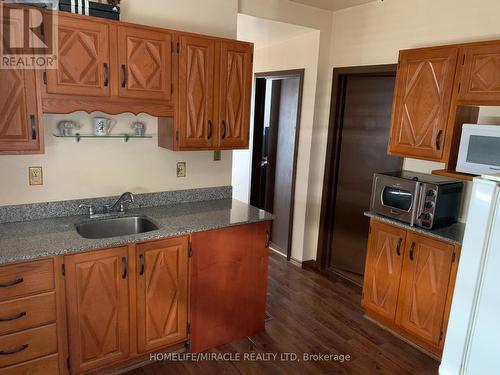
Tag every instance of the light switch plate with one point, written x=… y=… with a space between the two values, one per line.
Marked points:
x=35 y=176
x=217 y=155
x=181 y=169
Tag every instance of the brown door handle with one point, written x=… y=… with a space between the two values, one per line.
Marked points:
x=141 y=264
x=14 y=351
x=33 y=127
x=12 y=283
x=124 y=268
x=223 y=129
x=398 y=248
x=268 y=236
x=106 y=74
x=412 y=250
x=124 y=75
x=14 y=317
x=438 y=139
x=209 y=129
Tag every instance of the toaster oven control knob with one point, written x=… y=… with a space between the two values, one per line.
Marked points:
x=427 y=217
x=431 y=193
x=429 y=204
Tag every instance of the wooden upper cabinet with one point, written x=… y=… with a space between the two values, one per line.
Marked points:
x=83 y=58
x=481 y=73
x=424 y=86
x=144 y=63
x=98 y=308
x=196 y=91
x=162 y=293
x=383 y=266
x=20 y=123
x=424 y=287
x=235 y=94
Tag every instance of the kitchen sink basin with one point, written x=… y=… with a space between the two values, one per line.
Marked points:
x=116 y=226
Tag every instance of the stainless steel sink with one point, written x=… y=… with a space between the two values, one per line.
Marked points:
x=115 y=227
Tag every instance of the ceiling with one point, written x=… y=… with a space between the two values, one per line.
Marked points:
x=333 y=4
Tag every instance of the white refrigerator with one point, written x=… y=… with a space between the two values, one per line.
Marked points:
x=472 y=344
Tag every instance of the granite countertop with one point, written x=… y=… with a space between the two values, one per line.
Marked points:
x=28 y=240
x=453 y=234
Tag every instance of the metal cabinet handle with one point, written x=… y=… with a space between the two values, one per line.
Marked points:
x=14 y=351
x=12 y=283
x=412 y=250
x=223 y=129
x=33 y=127
x=106 y=74
x=124 y=75
x=398 y=248
x=14 y=317
x=142 y=264
x=209 y=129
x=438 y=139
x=268 y=241
x=124 y=268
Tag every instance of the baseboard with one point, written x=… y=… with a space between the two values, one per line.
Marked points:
x=309 y=265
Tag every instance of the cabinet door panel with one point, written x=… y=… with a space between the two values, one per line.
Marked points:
x=145 y=62
x=383 y=269
x=162 y=290
x=481 y=73
x=196 y=90
x=235 y=91
x=98 y=308
x=424 y=86
x=83 y=58
x=424 y=285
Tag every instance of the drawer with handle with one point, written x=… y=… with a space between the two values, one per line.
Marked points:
x=26 y=278
x=25 y=345
x=27 y=312
x=41 y=366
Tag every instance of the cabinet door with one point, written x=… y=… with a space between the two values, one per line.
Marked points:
x=235 y=92
x=83 y=58
x=383 y=269
x=422 y=97
x=98 y=308
x=145 y=63
x=20 y=129
x=196 y=90
x=424 y=285
x=162 y=290
x=228 y=284
x=481 y=73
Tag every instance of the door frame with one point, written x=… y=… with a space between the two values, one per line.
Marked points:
x=293 y=73
x=334 y=139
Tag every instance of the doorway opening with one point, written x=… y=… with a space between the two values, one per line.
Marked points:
x=278 y=102
x=358 y=134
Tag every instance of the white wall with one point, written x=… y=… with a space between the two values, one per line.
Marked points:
x=373 y=34
x=94 y=168
x=272 y=54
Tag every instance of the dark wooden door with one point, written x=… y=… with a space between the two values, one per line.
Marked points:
x=235 y=94
x=83 y=58
x=162 y=293
x=361 y=151
x=97 y=299
x=145 y=63
x=481 y=73
x=384 y=262
x=422 y=99
x=424 y=285
x=196 y=92
x=228 y=284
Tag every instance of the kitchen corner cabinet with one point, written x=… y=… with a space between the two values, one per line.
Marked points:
x=408 y=283
x=422 y=99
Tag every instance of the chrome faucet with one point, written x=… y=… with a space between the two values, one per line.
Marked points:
x=120 y=203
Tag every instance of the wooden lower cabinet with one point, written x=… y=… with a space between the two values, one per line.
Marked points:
x=228 y=284
x=409 y=282
x=162 y=293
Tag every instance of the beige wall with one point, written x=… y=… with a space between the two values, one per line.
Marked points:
x=94 y=168
x=373 y=34
x=273 y=52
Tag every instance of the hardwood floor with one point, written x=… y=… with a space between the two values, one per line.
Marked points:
x=311 y=314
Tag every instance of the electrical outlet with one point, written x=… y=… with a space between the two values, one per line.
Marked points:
x=217 y=155
x=35 y=176
x=181 y=169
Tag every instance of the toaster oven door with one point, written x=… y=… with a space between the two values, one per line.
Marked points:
x=395 y=197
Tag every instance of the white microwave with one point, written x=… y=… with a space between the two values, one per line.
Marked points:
x=479 y=151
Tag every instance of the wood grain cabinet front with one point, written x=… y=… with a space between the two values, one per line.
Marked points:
x=422 y=99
